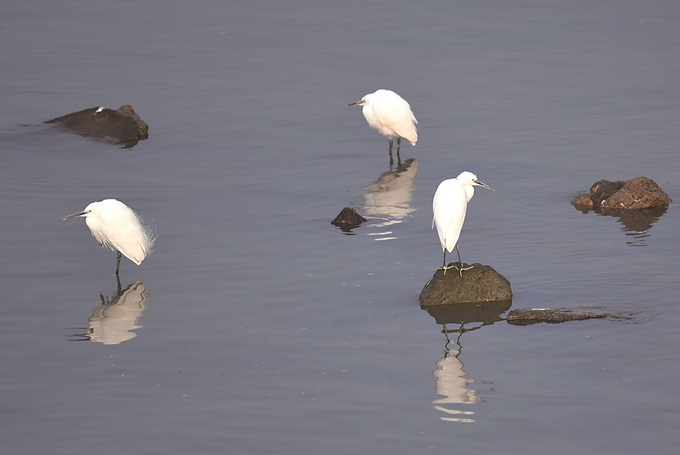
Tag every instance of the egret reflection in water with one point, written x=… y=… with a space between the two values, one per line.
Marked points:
x=388 y=200
x=451 y=380
x=115 y=320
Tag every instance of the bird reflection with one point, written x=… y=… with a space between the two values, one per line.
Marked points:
x=115 y=320
x=388 y=200
x=452 y=383
x=450 y=377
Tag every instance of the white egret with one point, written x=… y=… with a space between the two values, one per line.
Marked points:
x=449 y=206
x=391 y=115
x=118 y=228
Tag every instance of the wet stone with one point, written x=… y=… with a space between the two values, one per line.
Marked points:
x=528 y=316
x=634 y=194
x=583 y=201
x=122 y=126
x=638 y=193
x=479 y=284
x=347 y=219
x=603 y=190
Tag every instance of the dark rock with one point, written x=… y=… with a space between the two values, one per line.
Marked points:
x=479 y=284
x=348 y=219
x=603 y=190
x=556 y=315
x=122 y=126
x=638 y=193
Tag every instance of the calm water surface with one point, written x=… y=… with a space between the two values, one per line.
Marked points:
x=256 y=326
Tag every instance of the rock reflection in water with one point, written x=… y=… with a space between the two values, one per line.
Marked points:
x=115 y=320
x=635 y=223
x=388 y=200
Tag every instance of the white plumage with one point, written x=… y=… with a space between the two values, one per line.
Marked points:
x=118 y=228
x=391 y=115
x=449 y=207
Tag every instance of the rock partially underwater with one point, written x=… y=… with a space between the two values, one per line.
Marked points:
x=479 y=284
x=611 y=197
x=637 y=203
x=528 y=316
x=348 y=219
x=122 y=126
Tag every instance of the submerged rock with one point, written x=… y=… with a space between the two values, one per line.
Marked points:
x=638 y=193
x=122 y=126
x=348 y=219
x=528 y=316
x=479 y=284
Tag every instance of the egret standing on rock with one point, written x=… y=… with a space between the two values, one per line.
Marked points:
x=391 y=115
x=118 y=228
x=449 y=206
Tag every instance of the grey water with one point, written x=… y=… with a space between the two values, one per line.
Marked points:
x=256 y=326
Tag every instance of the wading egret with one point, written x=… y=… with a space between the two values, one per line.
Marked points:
x=449 y=206
x=118 y=228
x=391 y=115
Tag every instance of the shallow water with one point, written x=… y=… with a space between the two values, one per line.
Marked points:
x=262 y=328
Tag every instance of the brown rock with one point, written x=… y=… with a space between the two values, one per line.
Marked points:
x=479 y=284
x=638 y=193
x=635 y=194
x=583 y=200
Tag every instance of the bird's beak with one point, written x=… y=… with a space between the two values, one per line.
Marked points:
x=483 y=185
x=356 y=103
x=73 y=215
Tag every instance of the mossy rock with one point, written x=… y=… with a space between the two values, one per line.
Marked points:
x=481 y=283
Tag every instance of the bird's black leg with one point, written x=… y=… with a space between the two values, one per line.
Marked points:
x=460 y=270
x=391 y=159
x=398 y=148
x=117 y=262
x=444 y=267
